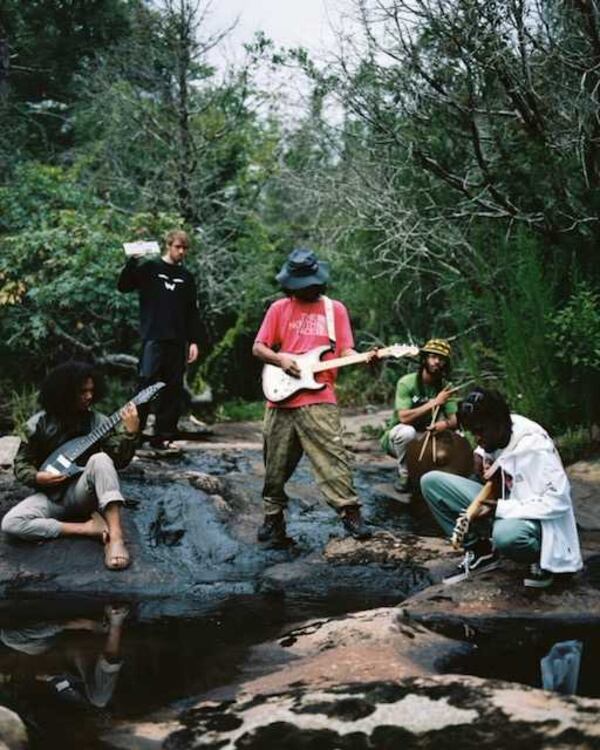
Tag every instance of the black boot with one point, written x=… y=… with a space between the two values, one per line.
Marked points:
x=354 y=524
x=273 y=531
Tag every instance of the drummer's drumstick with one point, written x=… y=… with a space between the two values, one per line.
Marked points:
x=428 y=435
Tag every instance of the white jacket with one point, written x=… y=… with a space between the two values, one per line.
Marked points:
x=540 y=491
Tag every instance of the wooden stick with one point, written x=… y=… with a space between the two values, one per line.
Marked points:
x=436 y=411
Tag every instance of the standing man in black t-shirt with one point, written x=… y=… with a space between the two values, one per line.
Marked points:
x=169 y=325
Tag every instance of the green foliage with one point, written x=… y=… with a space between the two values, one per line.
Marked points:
x=575 y=444
x=574 y=334
x=229 y=367
x=458 y=195
x=240 y=411
x=361 y=386
x=58 y=270
x=575 y=329
x=49 y=45
x=23 y=404
x=515 y=313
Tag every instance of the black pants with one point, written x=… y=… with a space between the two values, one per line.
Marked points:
x=163 y=360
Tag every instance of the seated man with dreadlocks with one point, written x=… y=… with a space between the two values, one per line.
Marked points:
x=420 y=396
x=63 y=507
x=534 y=521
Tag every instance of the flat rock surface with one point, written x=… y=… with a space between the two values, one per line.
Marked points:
x=192 y=523
x=486 y=600
x=417 y=712
x=354 y=648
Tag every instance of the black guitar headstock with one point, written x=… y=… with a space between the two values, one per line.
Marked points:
x=148 y=393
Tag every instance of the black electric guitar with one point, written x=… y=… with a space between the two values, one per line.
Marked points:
x=64 y=459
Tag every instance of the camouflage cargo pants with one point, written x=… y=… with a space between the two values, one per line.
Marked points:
x=317 y=431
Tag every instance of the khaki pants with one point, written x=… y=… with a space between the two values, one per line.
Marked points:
x=400 y=437
x=317 y=431
x=38 y=517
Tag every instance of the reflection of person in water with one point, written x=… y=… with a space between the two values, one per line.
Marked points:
x=96 y=673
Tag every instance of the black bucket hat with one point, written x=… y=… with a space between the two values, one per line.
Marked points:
x=302 y=269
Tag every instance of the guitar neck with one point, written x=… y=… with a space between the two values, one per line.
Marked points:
x=98 y=433
x=351 y=359
x=332 y=364
x=486 y=492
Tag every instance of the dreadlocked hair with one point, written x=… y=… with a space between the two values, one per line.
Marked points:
x=60 y=390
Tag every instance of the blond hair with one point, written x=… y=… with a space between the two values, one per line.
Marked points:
x=177 y=234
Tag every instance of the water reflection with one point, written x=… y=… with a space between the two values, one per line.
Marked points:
x=71 y=669
x=59 y=674
x=91 y=668
x=562 y=658
x=560 y=667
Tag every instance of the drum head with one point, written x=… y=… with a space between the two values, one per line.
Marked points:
x=445 y=451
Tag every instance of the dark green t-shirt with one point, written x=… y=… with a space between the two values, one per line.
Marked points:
x=409 y=396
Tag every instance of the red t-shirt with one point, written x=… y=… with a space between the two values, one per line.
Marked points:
x=295 y=327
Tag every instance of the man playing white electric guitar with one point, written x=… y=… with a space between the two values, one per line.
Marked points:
x=307 y=421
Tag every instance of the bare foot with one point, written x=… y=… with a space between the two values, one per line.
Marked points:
x=116 y=556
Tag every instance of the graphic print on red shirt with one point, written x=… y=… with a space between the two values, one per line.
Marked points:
x=296 y=327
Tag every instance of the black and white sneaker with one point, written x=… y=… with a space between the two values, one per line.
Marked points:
x=474 y=563
x=538 y=578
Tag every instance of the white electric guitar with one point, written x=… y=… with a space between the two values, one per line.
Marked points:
x=278 y=385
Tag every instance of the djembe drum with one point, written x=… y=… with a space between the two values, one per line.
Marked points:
x=444 y=451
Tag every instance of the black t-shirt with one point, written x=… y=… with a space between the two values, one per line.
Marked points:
x=168 y=299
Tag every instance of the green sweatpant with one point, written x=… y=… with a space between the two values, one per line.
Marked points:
x=317 y=431
x=447 y=495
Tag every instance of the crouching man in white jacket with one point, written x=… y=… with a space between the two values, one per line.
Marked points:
x=534 y=521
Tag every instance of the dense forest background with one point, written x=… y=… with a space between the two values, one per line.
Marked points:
x=455 y=187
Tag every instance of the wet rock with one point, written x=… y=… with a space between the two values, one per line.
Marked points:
x=220 y=505
x=171 y=453
x=178 y=543
x=191 y=428
x=314 y=576
x=190 y=524
x=13 y=735
x=205 y=482
x=421 y=712
x=360 y=647
x=387 y=490
x=433 y=555
x=363 y=446
x=585 y=490
x=487 y=602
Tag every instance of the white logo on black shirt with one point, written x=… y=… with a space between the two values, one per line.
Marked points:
x=168 y=285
